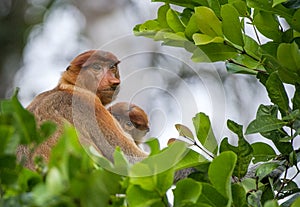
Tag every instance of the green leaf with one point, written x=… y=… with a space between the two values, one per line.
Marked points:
x=263 y=110
x=277 y=93
x=276 y=2
x=187 y=191
x=296 y=202
x=267 y=6
x=296 y=97
x=213 y=52
x=288 y=55
x=184 y=131
x=262 y=152
x=231 y=24
x=268 y=25
x=191 y=27
x=154 y=145
x=243 y=150
x=235 y=68
x=251 y=47
x=264 y=123
x=160 y=182
x=138 y=197
x=295 y=22
x=203 y=39
x=220 y=172
x=147 y=29
x=165 y=160
x=271 y=203
x=254 y=198
x=239 y=195
x=208 y=22
x=162 y=16
x=204 y=132
x=265 y=169
x=241 y=7
x=211 y=197
x=174 y=21
x=191 y=159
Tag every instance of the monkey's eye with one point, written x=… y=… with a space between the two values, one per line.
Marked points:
x=96 y=66
x=129 y=124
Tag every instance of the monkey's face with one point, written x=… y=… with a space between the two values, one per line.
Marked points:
x=100 y=75
x=132 y=119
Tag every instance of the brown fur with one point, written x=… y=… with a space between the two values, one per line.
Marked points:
x=79 y=99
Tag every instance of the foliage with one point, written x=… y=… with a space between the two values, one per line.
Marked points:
x=219 y=31
x=225 y=175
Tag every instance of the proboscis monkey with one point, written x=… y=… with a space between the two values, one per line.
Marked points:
x=89 y=82
x=132 y=119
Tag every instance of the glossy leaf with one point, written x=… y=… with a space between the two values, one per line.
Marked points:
x=239 y=195
x=138 y=197
x=204 y=132
x=265 y=169
x=186 y=192
x=220 y=172
x=213 y=52
x=262 y=152
x=296 y=97
x=174 y=21
x=154 y=145
x=211 y=197
x=191 y=27
x=208 y=22
x=235 y=68
x=243 y=150
x=288 y=56
x=268 y=25
x=165 y=160
x=277 y=93
x=264 y=123
x=203 y=39
x=263 y=110
x=191 y=159
x=231 y=24
x=162 y=15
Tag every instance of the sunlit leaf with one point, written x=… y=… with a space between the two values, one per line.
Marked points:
x=220 y=172
x=208 y=22
x=138 y=197
x=231 y=24
x=204 y=132
x=186 y=192
x=174 y=21
x=203 y=39
x=184 y=131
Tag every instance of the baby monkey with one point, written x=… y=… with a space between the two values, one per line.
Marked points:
x=132 y=119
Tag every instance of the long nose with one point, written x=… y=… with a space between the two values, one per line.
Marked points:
x=113 y=80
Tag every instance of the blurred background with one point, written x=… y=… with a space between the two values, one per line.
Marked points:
x=38 y=39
